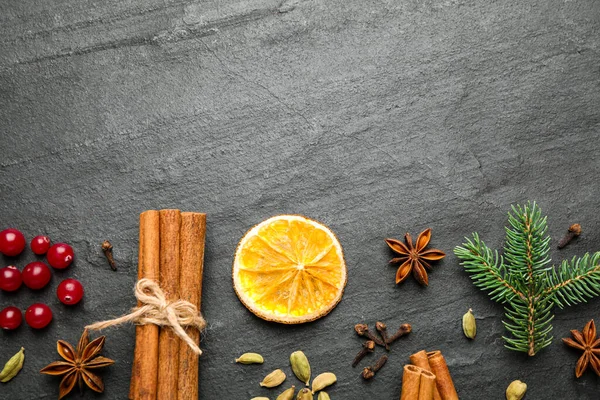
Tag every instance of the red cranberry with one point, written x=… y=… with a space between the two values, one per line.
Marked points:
x=36 y=275
x=60 y=255
x=40 y=244
x=70 y=291
x=12 y=242
x=10 y=278
x=38 y=315
x=10 y=318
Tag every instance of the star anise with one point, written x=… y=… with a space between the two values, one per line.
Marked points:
x=79 y=365
x=587 y=342
x=414 y=258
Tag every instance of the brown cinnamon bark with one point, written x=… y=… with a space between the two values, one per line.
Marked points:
x=411 y=383
x=168 y=342
x=444 y=380
x=144 y=375
x=191 y=256
x=427 y=385
x=420 y=360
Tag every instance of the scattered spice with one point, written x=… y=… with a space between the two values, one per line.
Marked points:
x=363 y=330
x=369 y=372
x=516 y=390
x=12 y=366
x=586 y=342
x=79 y=365
x=572 y=233
x=107 y=249
x=382 y=329
x=287 y=394
x=469 y=324
x=305 y=394
x=274 y=379
x=323 y=380
x=368 y=347
x=250 y=358
x=414 y=258
x=300 y=366
x=404 y=330
x=323 y=396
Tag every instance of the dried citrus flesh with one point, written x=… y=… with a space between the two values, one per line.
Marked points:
x=289 y=269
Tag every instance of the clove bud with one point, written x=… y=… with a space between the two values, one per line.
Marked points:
x=574 y=231
x=382 y=329
x=369 y=372
x=368 y=347
x=107 y=250
x=363 y=330
x=405 y=329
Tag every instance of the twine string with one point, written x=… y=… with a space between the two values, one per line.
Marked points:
x=157 y=310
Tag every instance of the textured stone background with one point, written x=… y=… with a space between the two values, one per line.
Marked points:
x=374 y=117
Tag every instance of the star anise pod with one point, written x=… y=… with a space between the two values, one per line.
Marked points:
x=587 y=342
x=414 y=258
x=79 y=365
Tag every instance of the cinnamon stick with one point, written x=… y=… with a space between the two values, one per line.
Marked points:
x=144 y=375
x=411 y=382
x=427 y=385
x=191 y=256
x=444 y=380
x=168 y=342
x=420 y=360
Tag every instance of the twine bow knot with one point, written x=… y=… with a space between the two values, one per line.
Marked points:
x=157 y=310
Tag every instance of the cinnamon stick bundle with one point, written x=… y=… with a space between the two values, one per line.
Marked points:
x=435 y=363
x=420 y=360
x=171 y=252
x=417 y=384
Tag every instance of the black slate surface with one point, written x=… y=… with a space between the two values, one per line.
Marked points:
x=374 y=117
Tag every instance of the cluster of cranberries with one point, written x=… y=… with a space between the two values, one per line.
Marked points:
x=35 y=275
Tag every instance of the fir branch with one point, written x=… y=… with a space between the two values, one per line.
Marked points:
x=529 y=324
x=527 y=245
x=487 y=270
x=574 y=282
x=522 y=279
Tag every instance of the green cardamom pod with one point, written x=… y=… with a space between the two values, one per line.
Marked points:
x=275 y=378
x=250 y=358
x=469 y=324
x=12 y=366
x=323 y=380
x=300 y=366
x=305 y=394
x=516 y=390
x=323 y=396
x=287 y=394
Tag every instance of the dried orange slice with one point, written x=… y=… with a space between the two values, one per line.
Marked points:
x=289 y=269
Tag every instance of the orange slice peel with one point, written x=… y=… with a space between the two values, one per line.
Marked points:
x=289 y=269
